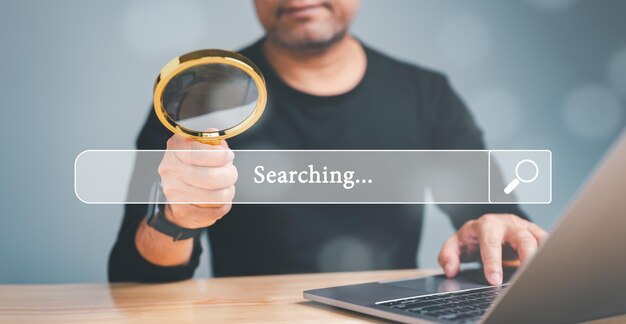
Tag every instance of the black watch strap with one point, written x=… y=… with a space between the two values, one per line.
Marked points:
x=157 y=220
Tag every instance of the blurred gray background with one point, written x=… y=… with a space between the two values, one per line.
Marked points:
x=78 y=75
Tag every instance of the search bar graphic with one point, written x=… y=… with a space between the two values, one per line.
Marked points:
x=334 y=176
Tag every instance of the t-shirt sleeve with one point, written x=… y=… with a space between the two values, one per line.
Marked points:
x=125 y=261
x=454 y=128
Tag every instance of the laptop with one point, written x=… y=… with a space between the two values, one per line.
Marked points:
x=578 y=274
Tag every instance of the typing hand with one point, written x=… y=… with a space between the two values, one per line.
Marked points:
x=491 y=238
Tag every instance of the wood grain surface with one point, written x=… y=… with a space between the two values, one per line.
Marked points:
x=275 y=299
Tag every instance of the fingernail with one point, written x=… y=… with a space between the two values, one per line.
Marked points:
x=447 y=268
x=495 y=278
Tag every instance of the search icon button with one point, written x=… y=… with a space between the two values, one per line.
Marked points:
x=516 y=182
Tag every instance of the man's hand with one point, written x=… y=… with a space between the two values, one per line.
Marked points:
x=188 y=177
x=491 y=238
x=197 y=176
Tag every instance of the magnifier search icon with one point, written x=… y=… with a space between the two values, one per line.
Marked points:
x=513 y=184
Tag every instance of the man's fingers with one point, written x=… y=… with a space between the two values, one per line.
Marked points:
x=179 y=192
x=523 y=242
x=488 y=234
x=210 y=178
x=209 y=158
x=491 y=239
x=195 y=153
x=538 y=233
x=450 y=256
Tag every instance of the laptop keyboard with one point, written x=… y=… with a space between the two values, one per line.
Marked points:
x=460 y=306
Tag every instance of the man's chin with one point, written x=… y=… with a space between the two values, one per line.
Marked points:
x=307 y=41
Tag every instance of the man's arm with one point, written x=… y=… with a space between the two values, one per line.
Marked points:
x=454 y=128
x=485 y=232
x=141 y=253
x=126 y=262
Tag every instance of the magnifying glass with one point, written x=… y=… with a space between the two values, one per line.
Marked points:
x=516 y=182
x=209 y=95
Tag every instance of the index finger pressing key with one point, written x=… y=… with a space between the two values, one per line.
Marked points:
x=490 y=241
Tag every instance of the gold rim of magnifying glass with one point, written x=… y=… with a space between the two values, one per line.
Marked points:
x=201 y=57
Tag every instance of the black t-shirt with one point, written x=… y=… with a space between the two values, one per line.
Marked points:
x=395 y=106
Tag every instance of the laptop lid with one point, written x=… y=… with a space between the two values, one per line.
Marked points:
x=580 y=271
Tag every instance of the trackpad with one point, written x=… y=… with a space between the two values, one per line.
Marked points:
x=467 y=279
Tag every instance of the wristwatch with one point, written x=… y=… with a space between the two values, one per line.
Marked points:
x=157 y=220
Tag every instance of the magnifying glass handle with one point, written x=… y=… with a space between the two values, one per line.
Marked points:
x=511 y=186
x=209 y=141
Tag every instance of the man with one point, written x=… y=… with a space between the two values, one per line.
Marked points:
x=326 y=91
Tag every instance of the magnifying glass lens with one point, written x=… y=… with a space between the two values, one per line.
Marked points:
x=218 y=96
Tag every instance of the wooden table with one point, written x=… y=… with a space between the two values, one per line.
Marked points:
x=220 y=300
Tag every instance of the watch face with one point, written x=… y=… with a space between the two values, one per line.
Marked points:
x=156 y=192
x=151 y=215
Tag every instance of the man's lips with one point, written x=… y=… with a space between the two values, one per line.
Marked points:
x=302 y=11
